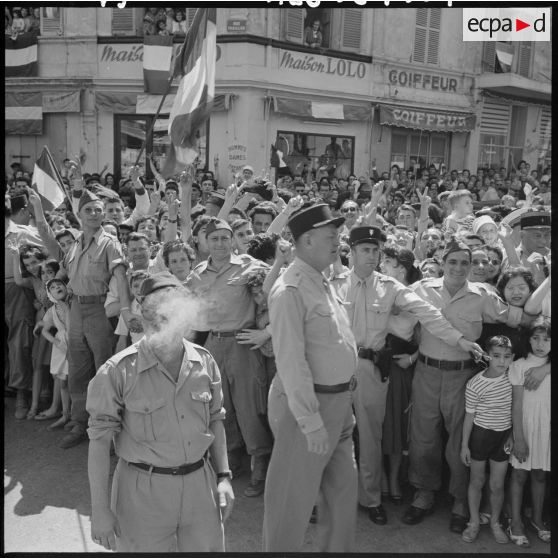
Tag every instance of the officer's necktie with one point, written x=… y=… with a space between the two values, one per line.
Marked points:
x=359 y=315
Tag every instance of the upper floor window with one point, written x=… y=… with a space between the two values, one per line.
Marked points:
x=152 y=21
x=504 y=56
x=427 y=36
x=323 y=28
x=25 y=20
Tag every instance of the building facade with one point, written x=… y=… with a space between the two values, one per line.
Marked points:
x=374 y=87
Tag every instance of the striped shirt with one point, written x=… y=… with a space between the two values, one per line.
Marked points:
x=489 y=400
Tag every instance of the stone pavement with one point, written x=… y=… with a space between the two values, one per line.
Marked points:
x=47 y=507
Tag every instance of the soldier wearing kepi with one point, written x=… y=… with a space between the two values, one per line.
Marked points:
x=161 y=399
x=370 y=298
x=310 y=399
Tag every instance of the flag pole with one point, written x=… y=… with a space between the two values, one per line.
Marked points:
x=152 y=126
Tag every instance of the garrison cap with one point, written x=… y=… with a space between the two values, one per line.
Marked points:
x=159 y=281
x=217 y=225
x=87 y=197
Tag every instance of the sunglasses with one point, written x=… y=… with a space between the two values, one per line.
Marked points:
x=349 y=209
x=495 y=262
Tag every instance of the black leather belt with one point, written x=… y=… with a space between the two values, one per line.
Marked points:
x=369 y=354
x=180 y=470
x=220 y=334
x=446 y=364
x=337 y=388
x=90 y=299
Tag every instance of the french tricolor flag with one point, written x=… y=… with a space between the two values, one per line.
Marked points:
x=193 y=102
x=157 y=56
x=48 y=181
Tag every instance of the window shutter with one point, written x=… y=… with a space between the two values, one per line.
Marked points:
x=545 y=127
x=495 y=118
x=51 y=21
x=190 y=14
x=421 y=33
x=433 y=36
x=123 y=21
x=352 y=25
x=524 y=59
x=488 y=56
x=294 y=25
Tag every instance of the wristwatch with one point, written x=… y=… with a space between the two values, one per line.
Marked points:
x=224 y=474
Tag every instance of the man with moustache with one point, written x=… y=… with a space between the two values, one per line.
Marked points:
x=161 y=400
x=310 y=399
x=89 y=264
x=370 y=298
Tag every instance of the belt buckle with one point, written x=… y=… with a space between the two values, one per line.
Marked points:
x=175 y=470
x=352 y=383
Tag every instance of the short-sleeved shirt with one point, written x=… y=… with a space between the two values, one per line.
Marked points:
x=489 y=400
x=465 y=311
x=122 y=329
x=90 y=267
x=312 y=339
x=228 y=302
x=156 y=420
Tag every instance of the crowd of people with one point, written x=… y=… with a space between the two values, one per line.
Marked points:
x=310 y=299
x=164 y=21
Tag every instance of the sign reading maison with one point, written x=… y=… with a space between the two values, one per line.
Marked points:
x=121 y=53
x=322 y=65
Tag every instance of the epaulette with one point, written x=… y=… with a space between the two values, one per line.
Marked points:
x=291 y=277
x=128 y=351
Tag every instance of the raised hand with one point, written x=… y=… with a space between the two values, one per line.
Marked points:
x=377 y=189
x=505 y=232
x=283 y=252
x=34 y=198
x=294 y=204
x=134 y=173
x=231 y=193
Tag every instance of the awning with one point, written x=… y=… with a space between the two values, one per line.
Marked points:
x=321 y=110
x=427 y=119
x=23 y=114
x=61 y=101
x=120 y=102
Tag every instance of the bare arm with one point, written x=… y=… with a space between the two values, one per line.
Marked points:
x=533 y=305
x=467 y=428
x=185 y=186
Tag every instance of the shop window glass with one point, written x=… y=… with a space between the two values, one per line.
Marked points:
x=492 y=151
x=415 y=150
x=130 y=131
x=304 y=153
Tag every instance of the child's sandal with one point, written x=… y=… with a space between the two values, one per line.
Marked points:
x=63 y=420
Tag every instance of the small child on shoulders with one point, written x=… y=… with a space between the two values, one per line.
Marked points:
x=461 y=217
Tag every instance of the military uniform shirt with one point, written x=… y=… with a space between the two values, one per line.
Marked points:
x=383 y=294
x=156 y=420
x=465 y=311
x=90 y=267
x=312 y=339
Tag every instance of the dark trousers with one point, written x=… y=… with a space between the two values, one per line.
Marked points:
x=19 y=315
x=244 y=393
x=89 y=347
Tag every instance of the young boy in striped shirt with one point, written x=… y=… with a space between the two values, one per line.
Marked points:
x=487 y=435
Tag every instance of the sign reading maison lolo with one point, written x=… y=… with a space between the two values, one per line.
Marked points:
x=437 y=121
x=321 y=65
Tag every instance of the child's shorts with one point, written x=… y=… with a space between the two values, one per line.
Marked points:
x=488 y=444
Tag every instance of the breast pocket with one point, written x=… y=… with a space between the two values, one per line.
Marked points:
x=202 y=400
x=96 y=268
x=321 y=320
x=470 y=325
x=377 y=316
x=147 y=420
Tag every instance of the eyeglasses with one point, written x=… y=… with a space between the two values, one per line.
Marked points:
x=495 y=262
x=347 y=209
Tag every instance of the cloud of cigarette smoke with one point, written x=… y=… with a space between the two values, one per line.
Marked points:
x=169 y=315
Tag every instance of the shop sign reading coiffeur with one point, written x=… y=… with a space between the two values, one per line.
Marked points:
x=322 y=65
x=421 y=80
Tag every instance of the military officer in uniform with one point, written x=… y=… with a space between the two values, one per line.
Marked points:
x=371 y=297
x=161 y=400
x=310 y=397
